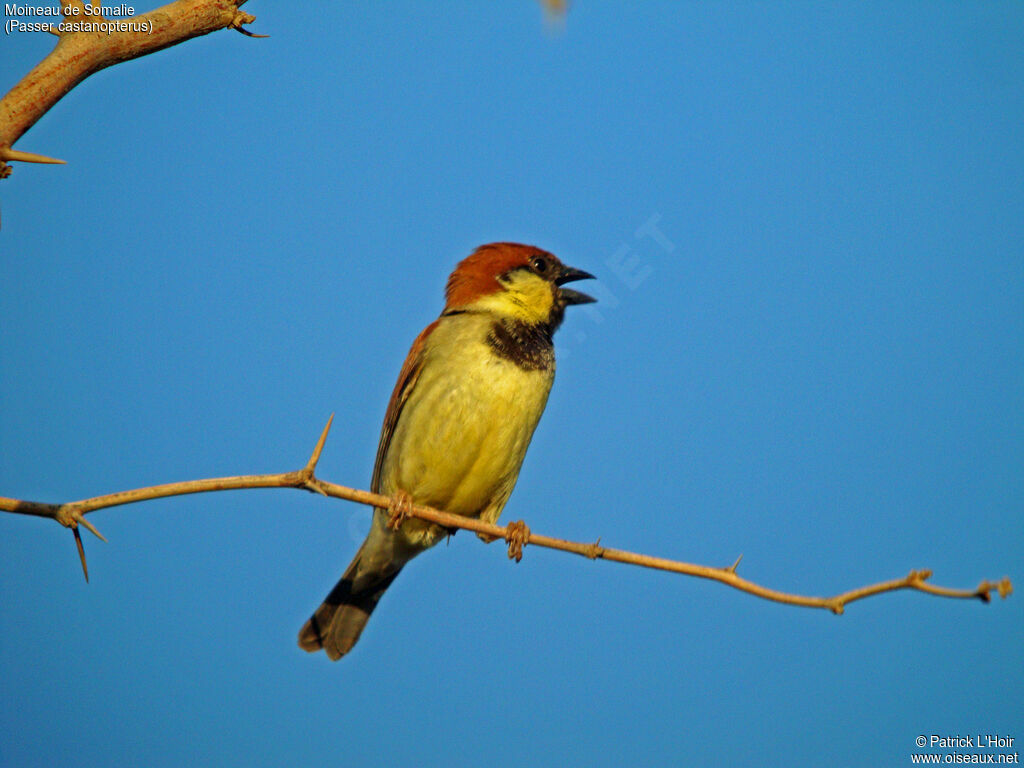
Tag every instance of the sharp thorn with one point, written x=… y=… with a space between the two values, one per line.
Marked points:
x=247 y=33
x=81 y=552
x=244 y=18
x=6 y=153
x=315 y=457
x=91 y=527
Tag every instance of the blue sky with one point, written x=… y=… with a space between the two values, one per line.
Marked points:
x=808 y=224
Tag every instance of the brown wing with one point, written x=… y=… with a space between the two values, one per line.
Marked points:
x=403 y=388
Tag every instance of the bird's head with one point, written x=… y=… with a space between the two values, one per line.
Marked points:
x=518 y=282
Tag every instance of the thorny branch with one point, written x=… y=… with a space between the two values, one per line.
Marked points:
x=516 y=534
x=79 y=54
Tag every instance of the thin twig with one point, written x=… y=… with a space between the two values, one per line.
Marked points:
x=516 y=534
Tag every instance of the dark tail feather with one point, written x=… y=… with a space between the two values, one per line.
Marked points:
x=336 y=625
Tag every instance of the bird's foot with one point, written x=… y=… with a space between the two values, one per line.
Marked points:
x=398 y=509
x=517 y=535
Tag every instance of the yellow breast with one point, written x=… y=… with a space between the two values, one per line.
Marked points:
x=463 y=433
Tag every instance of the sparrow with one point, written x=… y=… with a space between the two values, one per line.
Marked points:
x=460 y=419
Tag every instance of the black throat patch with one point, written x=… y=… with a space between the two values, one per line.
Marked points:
x=528 y=346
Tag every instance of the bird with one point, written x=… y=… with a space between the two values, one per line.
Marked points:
x=461 y=416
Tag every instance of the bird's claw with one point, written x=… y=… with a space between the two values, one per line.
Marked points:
x=517 y=535
x=398 y=509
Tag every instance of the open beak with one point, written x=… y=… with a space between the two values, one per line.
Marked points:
x=568 y=295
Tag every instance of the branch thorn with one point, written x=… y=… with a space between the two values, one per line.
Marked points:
x=313 y=484
x=79 y=517
x=311 y=465
x=244 y=18
x=6 y=153
x=732 y=568
x=81 y=552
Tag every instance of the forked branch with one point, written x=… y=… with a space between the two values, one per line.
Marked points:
x=87 y=43
x=517 y=534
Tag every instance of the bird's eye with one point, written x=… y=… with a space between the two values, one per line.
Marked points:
x=539 y=264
